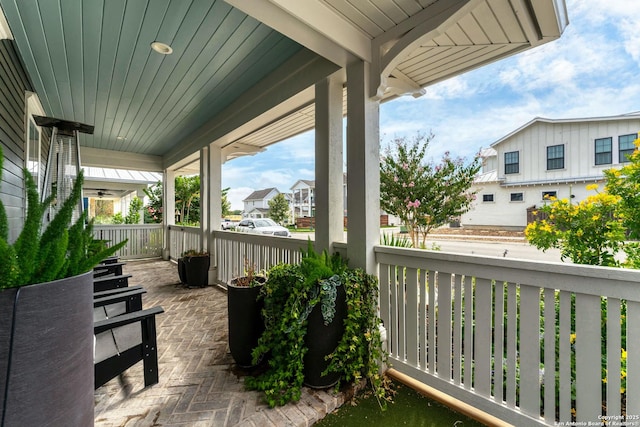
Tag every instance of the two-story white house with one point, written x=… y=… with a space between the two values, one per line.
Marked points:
x=256 y=204
x=547 y=157
x=302 y=199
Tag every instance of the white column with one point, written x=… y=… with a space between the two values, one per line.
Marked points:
x=169 y=209
x=363 y=169
x=328 y=146
x=211 y=201
x=204 y=199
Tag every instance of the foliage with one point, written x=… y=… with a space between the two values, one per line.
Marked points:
x=187 y=190
x=625 y=183
x=133 y=217
x=588 y=232
x=153 y=211
x=279 y=208
x=249 y=277
x=422 y=194
x=390 y=239
x=289 y=294
x=360 y=350
x=62 y=250
x=118 y=218
x=225 y=203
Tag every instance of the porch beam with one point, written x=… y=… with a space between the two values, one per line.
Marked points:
x=328 y=146
x=363 y=169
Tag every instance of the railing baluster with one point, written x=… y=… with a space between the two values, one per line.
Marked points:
x=431 y=322
x=411 y=320
x=549 y=355
x=468 y=332
x=530 y=350
x=498 y=340
x=444 y=330
x=633 y=360
x=422 y=318
x=565 y=357
x=512 y=344
x=588 y=358
x=483 y=341
x=614 y=346
x=457 y=329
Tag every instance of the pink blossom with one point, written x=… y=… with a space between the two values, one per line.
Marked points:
x=411 y=184
x=414 y=204
x=405 y=166
x=404 y=185
x=395 y=179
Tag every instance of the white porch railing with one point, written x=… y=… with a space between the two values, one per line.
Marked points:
x=145 y=240
x=182 y=239
x=231 y=249
x=498 y=334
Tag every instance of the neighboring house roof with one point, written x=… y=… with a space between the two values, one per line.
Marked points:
x=628 y=116
x=487 y=177
x=488 y=152
x=260 y=194
x=263 y=211
x=307 y=183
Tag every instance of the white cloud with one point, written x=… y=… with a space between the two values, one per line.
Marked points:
x=237 y=195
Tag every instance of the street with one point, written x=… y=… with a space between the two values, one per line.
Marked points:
x=516 y=249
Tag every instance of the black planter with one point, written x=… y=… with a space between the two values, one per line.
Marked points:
x=245 y=322
x=182 y=271
x=46 y=353
x=197 y=270
x=321 y=340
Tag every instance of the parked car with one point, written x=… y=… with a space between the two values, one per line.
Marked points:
x=227 y=224
x=262 y=226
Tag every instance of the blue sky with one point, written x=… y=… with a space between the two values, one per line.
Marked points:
x=592 y=70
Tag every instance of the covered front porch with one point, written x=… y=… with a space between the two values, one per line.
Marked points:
x=245 y=75
x=519 y=342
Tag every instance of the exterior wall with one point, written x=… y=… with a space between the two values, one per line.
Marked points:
x=504 y=214
x=263 y=203
x=533 y=178
x=14 y=83
x=578 y=139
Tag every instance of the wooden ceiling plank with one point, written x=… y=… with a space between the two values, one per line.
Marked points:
x=506 y=16
x=151 y=89
x=490 y=25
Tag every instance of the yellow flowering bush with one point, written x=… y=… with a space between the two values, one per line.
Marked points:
x=586 y=233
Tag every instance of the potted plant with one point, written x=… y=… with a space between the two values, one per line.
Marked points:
x=46 y=310
x=346 y=346
x=193 y=268
x=244 y=314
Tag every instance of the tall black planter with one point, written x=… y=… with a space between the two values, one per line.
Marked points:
x=197 y=270
x=245 y=322
x=182 y=271
x=46 y=353
x=321 y=340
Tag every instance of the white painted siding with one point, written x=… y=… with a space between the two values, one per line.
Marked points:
x=533 y=178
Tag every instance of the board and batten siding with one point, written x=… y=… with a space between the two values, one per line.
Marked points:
x=14 y=82
x=578 y=139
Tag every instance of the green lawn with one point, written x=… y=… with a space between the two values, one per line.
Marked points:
x=409 y=409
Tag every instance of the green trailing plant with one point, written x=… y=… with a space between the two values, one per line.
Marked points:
x=62 y=250
x=289 y=296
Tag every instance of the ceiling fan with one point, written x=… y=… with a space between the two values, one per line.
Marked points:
x=100 y=192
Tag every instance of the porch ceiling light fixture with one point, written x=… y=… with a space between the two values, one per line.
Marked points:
x=161 y=48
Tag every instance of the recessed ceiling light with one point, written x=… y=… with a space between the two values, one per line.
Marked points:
x=161 y=48
x=120 y=138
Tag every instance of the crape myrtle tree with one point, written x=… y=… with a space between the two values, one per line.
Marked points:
x=278 y=208
x=424 y=195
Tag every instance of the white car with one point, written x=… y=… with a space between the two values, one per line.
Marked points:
x=262 y=226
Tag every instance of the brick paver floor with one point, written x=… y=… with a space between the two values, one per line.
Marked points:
x=199 y=385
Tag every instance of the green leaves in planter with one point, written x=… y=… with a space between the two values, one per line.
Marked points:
x=62 y=250
x=289 y=295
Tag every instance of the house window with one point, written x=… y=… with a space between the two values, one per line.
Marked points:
x=548 y=195
x=486 y=198
x=626 y=146
x=517 y=197
x=512 y=162
x=555 y=157
x=33 y=151
x=603 y=151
